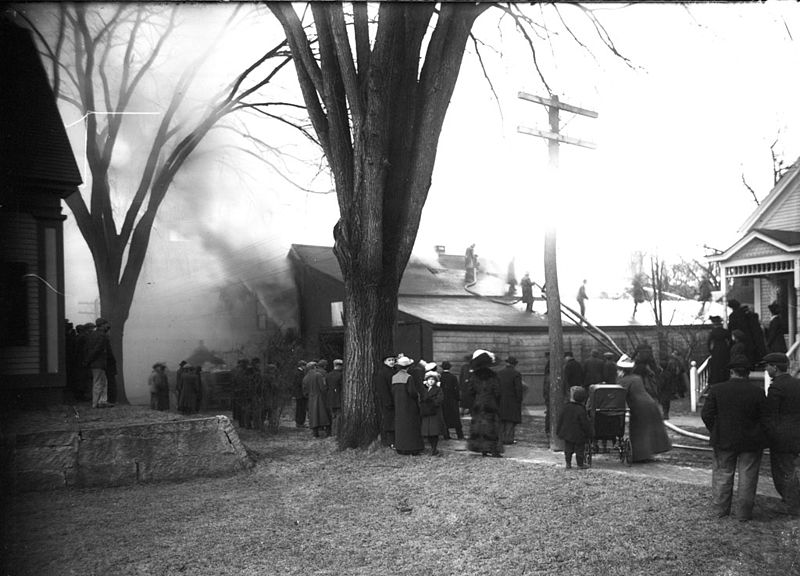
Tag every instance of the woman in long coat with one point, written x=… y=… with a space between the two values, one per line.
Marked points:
x=719 y=345
x=484 y=389
x=430 y=410
x=647 y=432
x=450 y=402
x=188 y=387
x=407 y=424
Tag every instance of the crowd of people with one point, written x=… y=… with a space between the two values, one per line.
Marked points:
x=423 y=402
x=744 y=337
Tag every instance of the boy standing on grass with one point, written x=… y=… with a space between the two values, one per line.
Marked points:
x=573 y=427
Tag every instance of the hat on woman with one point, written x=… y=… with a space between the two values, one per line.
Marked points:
x=432 y=374
x=625 y=362
x=430 y=366
x=404 y=361
x=482 y=359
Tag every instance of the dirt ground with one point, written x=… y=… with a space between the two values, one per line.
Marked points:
x=307 y=508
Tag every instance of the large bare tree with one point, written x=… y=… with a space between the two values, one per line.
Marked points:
x=101 y=56
x=378 y=112
x=377 y=87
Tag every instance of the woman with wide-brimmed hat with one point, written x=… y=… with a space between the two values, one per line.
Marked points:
x=407 y=425
x=484 y=389
x=647 y=432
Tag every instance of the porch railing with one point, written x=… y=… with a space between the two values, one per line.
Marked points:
x=698 y=382
x=698 y=376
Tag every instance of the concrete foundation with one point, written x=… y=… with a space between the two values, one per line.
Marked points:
x=122 y=454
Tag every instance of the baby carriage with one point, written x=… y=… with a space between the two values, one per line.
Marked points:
x=606 y=408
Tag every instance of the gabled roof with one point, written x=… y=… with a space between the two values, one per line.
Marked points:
x=789 y=238
x=34 y=148
x=788 y=184
x=781 y=240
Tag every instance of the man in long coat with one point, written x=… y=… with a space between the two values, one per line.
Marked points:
x=300 y=400
x=382 y=380
x=527 y=292
x=593 y=369
x=316 y=389
x=609 y=368
x=99 y=357
x=510 y=405
x=572 y=374
x=734 y=413
x=334 y=381
x=452 y=396
x=783 y=428
x=463 y=385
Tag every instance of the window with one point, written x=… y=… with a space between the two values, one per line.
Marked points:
x=13 y=304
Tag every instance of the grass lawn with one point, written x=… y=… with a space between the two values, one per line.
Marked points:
x=308 y=509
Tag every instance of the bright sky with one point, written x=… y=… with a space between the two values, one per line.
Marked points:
x=708 y=89
x=712 y=87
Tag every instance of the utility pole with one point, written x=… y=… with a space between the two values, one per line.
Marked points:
x=554 y=327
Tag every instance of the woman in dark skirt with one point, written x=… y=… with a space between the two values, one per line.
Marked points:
x=484 y=389
x=407 y=425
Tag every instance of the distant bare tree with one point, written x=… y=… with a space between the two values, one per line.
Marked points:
x=100 y=55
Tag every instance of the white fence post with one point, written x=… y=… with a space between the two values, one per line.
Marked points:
x=693 y=386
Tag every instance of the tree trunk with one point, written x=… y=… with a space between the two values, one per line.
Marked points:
x=555 y=334
x=370 y=314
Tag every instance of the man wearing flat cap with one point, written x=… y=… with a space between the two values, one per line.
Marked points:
x=734 y=413
x=783 y=429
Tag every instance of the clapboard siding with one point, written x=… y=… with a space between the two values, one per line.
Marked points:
x=784 y=215
x=19 y=243
x=530 y=348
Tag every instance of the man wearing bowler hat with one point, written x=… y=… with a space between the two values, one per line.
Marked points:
x=783 y=428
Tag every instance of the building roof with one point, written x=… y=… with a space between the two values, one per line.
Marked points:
x=421 y=277
x=787 y=237
x=439 y=297
x=468 y=311
x=34 y=148
x=789 y=183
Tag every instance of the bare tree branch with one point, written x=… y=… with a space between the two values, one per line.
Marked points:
x=519 y=25
x=746 y=185
x=486 y=74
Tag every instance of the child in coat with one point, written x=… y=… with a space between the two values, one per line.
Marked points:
x=573 y=426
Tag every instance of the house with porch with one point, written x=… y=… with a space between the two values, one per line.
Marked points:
x=763 y=265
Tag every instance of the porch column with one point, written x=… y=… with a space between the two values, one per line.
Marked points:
x=723 y=285
x=794 y=319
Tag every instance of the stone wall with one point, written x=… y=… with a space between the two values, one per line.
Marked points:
x=119 y=455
